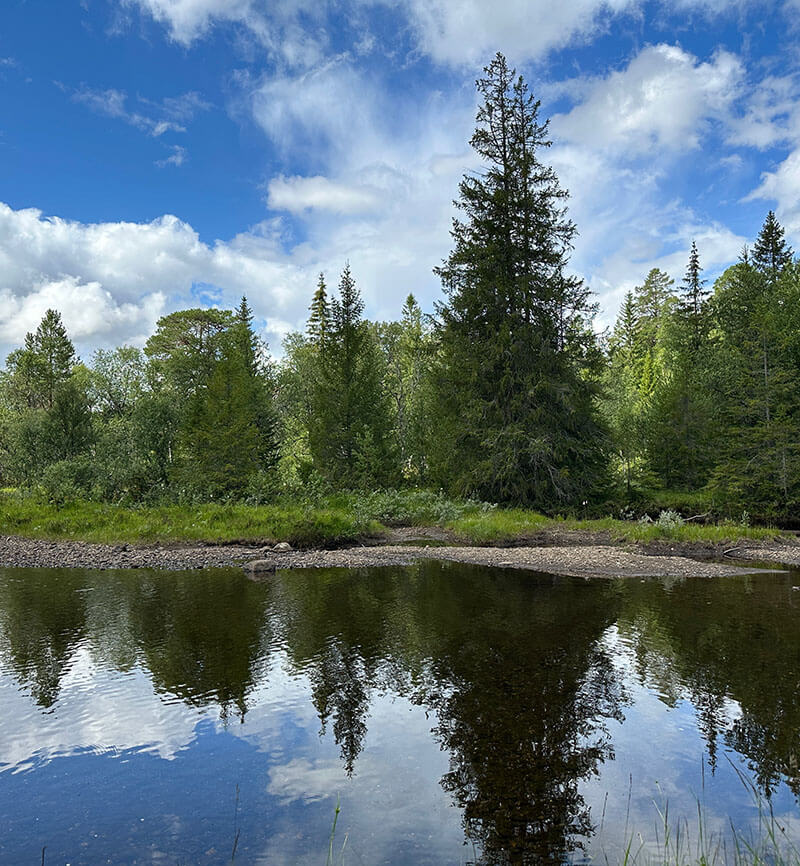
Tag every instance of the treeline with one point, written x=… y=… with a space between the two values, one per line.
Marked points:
x=503 y=393
x=701 y=387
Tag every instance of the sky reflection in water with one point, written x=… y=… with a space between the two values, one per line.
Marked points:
x=460 y=714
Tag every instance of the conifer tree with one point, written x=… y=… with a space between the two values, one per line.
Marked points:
x=626 y=328
x=693 y=297
x=771 y=253
x=254 y=354
x=653 y=295
x=518 y=417
x=349 y=424
x=318 y=320
x=36 y=371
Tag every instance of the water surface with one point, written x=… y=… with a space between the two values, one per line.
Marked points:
x=458 y=714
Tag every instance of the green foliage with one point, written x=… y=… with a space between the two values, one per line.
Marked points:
x=408 y=347
x=299 y=524
x=35 y=372
x=185 y=348
x=515 y=386
x=349 y=426
x=117 y=380
x=67 y=480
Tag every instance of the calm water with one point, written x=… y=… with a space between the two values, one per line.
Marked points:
x=458 y=714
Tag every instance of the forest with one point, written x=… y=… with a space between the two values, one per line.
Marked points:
x=503 y=393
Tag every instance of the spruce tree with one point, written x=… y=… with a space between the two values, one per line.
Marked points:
x=318 y=320
x=771 y=253
x=518 y=421
x=693 y=298
x=626 y=329
x=254 y=355
x=349 y=434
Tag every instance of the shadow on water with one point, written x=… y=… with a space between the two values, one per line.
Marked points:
x=522 y=687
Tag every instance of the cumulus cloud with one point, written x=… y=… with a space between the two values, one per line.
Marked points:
x=91 y=311
x=112 y=281
x=466 y=31
x=783 y=187
x=663 y=99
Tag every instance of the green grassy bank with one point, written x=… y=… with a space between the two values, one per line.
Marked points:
x=333 y=521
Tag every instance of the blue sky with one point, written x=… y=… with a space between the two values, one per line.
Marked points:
x=156 y=154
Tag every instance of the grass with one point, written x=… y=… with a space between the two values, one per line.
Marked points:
x=508 y=525
x=300 y=525
x=679 y=843
x=338 y=520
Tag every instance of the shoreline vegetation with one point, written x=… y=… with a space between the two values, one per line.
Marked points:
x=503 y=393
x=345 y=519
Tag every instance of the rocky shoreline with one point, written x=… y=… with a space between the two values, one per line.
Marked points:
x=580 y=559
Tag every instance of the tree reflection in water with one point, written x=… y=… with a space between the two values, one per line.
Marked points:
x=513 y=667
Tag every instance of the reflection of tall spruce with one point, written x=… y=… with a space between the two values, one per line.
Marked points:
x=515 y=675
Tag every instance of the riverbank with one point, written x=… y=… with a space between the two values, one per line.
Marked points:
x=579 y=558
x=347 y=519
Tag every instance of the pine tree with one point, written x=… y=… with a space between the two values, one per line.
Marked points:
x=518 y=417
x=36 y=371
x=771 y=253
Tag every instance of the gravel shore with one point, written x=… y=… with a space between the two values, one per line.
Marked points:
x=578 y=560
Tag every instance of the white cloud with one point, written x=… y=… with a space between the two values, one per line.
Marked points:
x=771 y=115
x=662 y=100
x=329 y=109
x=113 y=103
x=281 y=27
x=113 y=280
x=466 y=31
x=177 y=158
x=783 y=187
x=299 y=194
x=189 y=19
x=90 y=311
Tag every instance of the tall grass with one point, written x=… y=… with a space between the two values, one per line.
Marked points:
x=685 y=843
x=336 y=520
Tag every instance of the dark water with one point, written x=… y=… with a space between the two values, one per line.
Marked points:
x=458 y=714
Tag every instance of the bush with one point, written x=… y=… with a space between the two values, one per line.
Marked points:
x=66 y=480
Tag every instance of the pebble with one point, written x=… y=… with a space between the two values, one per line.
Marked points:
x=576 y=560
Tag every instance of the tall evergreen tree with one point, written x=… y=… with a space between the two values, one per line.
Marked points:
x=693 y=297
x=519 y=422
x=349 y=425
x=680 y=425
x=319 y=314
x=771 y=253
